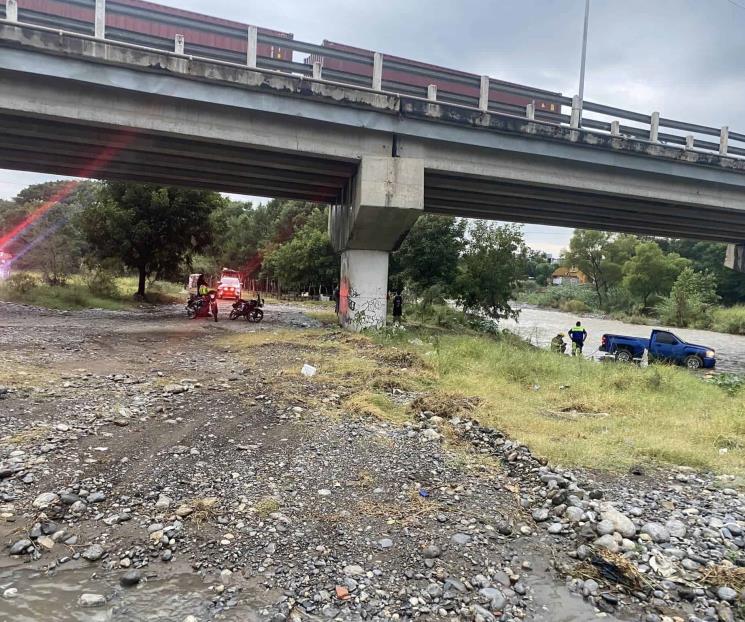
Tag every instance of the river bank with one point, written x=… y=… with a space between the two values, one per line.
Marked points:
x=188 y=471
x=539 y=326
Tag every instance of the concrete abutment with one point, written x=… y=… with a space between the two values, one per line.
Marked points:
x=382 y=202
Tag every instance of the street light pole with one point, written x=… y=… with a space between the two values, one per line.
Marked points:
x=584 y=56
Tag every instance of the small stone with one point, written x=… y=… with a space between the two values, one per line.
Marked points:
x=226 y=576
x=46 y=542
x=20 y=546
x=607 y=542
x=605 y=527
x=385 y=543
x=657 y=532
x=540 y=515
x=167 y=555
x=432 y=552
x=590 y=587
x=91 y=600
x=96 y=497
x=676 y=528
x=461 y=538
x=93 y=553
x=574 y=514
x=727 y=594
x=324 y=492
x=354 y=570
x=555 y=528
x=130 y=578
x=10 y=593
x=621 y=523
x=495 y=596
x=163 y=502
x=44 y=500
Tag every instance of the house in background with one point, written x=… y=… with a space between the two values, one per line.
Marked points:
x=568 y=276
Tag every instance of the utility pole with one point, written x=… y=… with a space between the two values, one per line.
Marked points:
x=584 y=56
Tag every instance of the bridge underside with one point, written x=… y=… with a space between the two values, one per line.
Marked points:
x=59 y=147
x=63 y=148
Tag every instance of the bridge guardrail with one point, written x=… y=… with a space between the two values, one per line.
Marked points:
x=443 y=85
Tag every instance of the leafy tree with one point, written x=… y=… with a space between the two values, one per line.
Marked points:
x=650 y=272
x=307 y=260
x=691 y=296
x=587 y=251
x=709 y=257
x=428 y=257
x=50 y=241
x=150 y=228
x=538 y=266
x=490 y=268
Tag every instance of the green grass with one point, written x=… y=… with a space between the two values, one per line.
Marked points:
x=729 y=320
x=75 y=295
x=581 y=413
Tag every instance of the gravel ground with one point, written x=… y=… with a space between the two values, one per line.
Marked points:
x=141 y=445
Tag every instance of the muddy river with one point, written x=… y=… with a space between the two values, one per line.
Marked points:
x=539 y=326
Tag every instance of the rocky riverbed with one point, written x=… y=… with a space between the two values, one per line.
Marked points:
x=152 y=468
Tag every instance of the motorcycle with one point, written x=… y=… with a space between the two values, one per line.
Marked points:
x=250 y=309
x=202 y=306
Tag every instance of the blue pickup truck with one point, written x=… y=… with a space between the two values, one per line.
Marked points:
x=661 y=346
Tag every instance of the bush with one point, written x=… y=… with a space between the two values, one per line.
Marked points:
x=100 y=282
x=21 y=282
x=574 y=306
x=729 y=320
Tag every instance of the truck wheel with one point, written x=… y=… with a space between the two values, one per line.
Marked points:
x=694 y=362
x=624 y=356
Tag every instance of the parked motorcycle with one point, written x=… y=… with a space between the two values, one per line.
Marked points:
x=249 y=309
x=202 y=306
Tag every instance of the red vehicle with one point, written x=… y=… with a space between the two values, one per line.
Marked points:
x=229 y=287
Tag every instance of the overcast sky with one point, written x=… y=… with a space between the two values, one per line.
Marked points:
x=685 y=58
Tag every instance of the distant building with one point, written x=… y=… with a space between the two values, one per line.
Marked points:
x=5 y=261
x=568 y=276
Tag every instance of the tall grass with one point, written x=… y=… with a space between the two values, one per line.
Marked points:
x=729 y=320
x=75 y=295
x=578 y=412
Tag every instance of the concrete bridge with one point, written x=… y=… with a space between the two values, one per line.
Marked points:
x=79 y=105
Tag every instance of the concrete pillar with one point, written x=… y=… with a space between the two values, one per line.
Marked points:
x=377 y=78
x=654 y=127
x=735 y=257
x=724 y=141
x=11 y=10
x=530 y=111
x=484 y=94
x=363 y=289
x=432 y=92
x=615 y=128
x=317 y=70
x=99 y=29
x=178 y=45
x=253 y=46
x=690 y=141
x=384 y=199
x=576 y=117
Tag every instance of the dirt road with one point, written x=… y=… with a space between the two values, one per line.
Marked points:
x=191 y=459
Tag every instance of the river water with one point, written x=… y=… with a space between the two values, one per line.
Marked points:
x=539 y=326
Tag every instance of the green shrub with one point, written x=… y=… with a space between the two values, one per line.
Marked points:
x=729 y=320
x=101 y=282
x=574 y=306
x=21 y=282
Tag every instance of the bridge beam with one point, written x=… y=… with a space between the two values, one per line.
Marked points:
x=382 y=202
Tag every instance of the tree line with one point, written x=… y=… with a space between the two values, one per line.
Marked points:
x=104 y=228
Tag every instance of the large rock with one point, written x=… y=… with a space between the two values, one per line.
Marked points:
x=495 y=596
x=676 y=528
x=92 y=600
x=44 y=500
x=657 y=532
x=93 y=553
x=607 y=542
x=621 y=523
x=20 y=546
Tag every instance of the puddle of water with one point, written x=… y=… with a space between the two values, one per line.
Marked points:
x=553 y=600
x=53 y=597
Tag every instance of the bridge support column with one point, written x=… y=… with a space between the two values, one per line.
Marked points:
x=382 y=202
x=735 y=258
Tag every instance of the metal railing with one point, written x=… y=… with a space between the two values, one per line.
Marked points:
x=441 y=89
